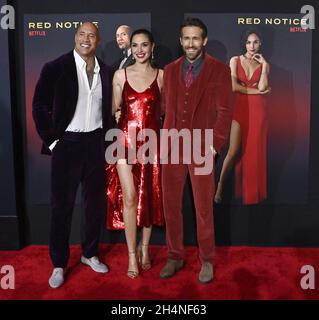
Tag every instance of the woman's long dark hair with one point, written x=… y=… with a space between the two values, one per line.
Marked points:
x=245 y=36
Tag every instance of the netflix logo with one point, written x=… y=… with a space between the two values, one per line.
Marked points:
x=37 y=33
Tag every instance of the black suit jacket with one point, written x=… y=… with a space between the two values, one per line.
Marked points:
x=55 y=98
x=128 y=61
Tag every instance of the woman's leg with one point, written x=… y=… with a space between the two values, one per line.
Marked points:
x=234 y=146
x=129 y=214
x=145 y=261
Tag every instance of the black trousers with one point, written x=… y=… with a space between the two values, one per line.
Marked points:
x=76 y=158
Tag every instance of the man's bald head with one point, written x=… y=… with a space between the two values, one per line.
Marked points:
x=91 y=25
x=123 y=34
x=87 y=39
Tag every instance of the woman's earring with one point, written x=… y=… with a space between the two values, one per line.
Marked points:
x=152 y=55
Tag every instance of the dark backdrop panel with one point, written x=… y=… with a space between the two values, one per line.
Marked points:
x=55 y=38
x=7 y=198
x=285 y=225
x=287 y=106
x=8 y=214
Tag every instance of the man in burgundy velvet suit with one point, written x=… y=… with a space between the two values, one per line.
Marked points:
x=72 y=111
x=196 y=95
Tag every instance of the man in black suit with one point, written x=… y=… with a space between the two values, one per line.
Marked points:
x=123 y=35
x=72 y=111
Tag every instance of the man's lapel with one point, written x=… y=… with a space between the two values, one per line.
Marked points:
x=104 y=83
x=203 y=78
x=177 y=81
x=128 y=61
x=72 y=80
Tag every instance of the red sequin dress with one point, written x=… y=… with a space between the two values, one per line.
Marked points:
x=250 y=113
x=139 y=110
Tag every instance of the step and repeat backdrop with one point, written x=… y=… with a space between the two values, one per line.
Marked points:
x=282 y=216
x=46 y=37
x=7 y=183
x=287 y=49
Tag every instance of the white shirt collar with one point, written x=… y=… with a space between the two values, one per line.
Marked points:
x=82 y=64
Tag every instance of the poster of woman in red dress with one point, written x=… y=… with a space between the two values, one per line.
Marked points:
x=248 y=136
x=267 y=160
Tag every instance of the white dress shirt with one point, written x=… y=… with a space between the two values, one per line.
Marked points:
x=88 y=112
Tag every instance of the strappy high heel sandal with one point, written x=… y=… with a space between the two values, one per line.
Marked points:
x=132 y=273
x=144 y=265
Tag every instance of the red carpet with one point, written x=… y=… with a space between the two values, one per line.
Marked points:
x=240 y=273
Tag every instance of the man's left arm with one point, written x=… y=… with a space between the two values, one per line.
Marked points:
x=223 y=101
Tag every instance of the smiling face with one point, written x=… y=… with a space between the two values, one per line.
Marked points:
x=252 y=44
x=87 y=40
x=192 y=42
x=123 y=37
x=141 y=47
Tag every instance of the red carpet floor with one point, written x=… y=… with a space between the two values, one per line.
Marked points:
x=240 y=273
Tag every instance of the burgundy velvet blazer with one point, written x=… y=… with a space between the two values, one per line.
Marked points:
x=212 y=102
x=55 y=98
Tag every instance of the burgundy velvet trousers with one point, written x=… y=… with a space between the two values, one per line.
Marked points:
x=173 y=180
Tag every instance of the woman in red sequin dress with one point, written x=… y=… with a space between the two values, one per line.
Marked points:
x=249 y=126
x=134 y=194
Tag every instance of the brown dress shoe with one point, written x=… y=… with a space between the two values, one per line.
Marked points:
x=171 y=267
x=206 y=273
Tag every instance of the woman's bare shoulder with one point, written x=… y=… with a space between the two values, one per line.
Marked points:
x=119 y=76
x=234 y=59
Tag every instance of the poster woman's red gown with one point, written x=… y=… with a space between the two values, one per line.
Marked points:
x=250 y=113
x=139 y=110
